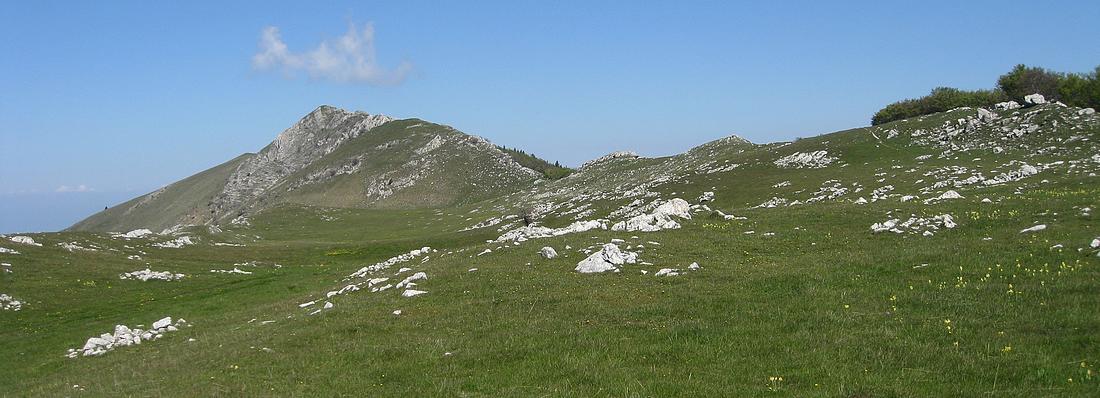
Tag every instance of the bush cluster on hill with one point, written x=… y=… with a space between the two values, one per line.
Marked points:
x=1074 y=89
x=939 y=100
x=549 y=170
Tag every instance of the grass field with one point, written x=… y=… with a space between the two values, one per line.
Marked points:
x=789 y=301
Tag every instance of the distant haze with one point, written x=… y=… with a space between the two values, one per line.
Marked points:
x=53 y=211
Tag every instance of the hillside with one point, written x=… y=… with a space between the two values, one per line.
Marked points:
x=331 y=157
x=952 y=254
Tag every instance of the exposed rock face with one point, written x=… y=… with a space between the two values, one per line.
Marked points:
x=811 y=160
x=660 y=218
x=610 y=156
x=316 y=135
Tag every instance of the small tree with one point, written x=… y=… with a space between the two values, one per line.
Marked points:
x=1082 y=90
x=1024 y=80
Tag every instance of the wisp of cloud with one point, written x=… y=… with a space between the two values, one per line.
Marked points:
x=348 y=59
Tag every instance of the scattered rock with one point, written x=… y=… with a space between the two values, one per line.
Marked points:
x=410 y=281
x=1036 y=228
x=548 y=252
x=667 y=272
x=148 y=274
x=235 y=270
x=535 y=231
x=137 y=233
x=125 y=336
x=175 y=243
x=404 y=257
x=915 y=224
x=24 y=240
x=951 y=194
x=9 y=303
x=811 y=160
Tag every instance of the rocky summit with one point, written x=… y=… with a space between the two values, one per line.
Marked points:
x=331 y=157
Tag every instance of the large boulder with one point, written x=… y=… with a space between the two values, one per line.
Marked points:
x=162 y=323
x=609 y=258
x=1035 y=99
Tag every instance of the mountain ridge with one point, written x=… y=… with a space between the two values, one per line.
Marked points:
x=291 y=163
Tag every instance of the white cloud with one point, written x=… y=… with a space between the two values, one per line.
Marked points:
x=78 y=188
x=348 y=59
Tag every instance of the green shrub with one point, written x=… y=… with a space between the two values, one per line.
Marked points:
x=1074 y=89
x=1081 y=90
x=549 y=170
x=939 y=100
x=1024 y=80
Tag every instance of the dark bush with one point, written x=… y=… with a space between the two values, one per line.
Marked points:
x=1081 y=90
x=1073 y=89
x=549 y=170
x=1024 y=80
x=939 y=100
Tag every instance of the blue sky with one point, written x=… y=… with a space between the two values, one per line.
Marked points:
x=109 y=100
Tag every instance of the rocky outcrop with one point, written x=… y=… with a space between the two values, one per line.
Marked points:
x=660 y=218
x=314 y=136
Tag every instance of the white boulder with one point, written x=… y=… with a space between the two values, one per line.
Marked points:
x=24 y=240
x=609 y=258
x=162 y=323
x=548 y=252
x=667 y=272
x=1036 y=228
x=1035 y=99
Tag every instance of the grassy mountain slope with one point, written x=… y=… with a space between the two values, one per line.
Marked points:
x=186 y=199
x=796 y=297
x=336 y=158
x=405 y=164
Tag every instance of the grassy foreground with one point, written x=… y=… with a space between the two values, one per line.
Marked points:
x=829 y=308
